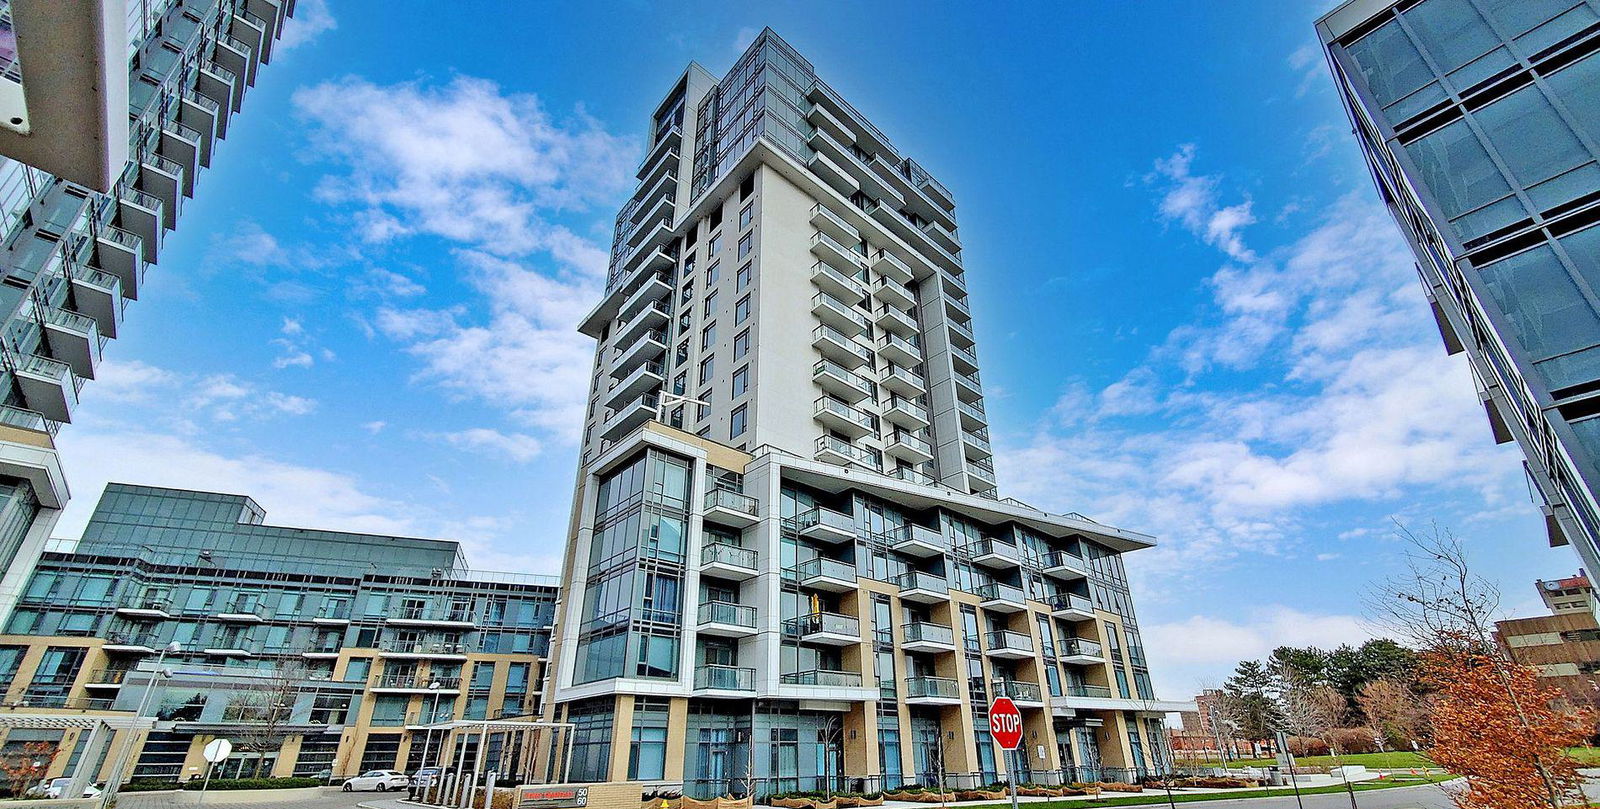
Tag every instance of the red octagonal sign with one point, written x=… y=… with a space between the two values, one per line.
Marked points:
x=1005 y=723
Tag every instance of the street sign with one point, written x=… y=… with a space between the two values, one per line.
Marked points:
x=218 y=750
x=1005 y=723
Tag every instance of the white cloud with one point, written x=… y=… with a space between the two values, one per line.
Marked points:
x=510 y=446
x=184 y=398
x=374 y=427
x=312 y=19
x=1192 y=201
x=1188 y=652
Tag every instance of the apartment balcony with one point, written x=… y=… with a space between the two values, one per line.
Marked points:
x=663 y=156
x=822 y=119
x=921 y=636
x=646 y=377
x=981 y=475
x=997 y=597
x=731 y=509
x=1065 y=566
x=72 y=338
x=968 y=388
x=728 y=561
x=231 y=647
x=911 y=474
x=844 y=419
x=413 y=684
x=893 y=320
x=142 y=215
x=976 y=444
x=890 y=292
x=825 y=525
x=839 y=347
x=842 y=382
x=48 y=386
x=994 y=554
x=902 y=381
x=910 y=448
x=922 y=587
x=838 y=256
x=1008 y=645
x=965 y=360
x=656 y=287
x=205 y=116
x=973 y=416
x=452 y=617
x=918 y=541
x=843 y=453
x=838 y=314
x=724 y=681
x=825 y=678
x=98 y=295
x=954 y=284
x=650 y=346
x=163 y=179
x=321 y=653
x=1080 y=650
x=830 y=575
x=218 y=83
x=628 y=418
x=1071 y=606
x=109 y=679
x=843 y=288
x=337 y=615
x=653 y=259
x=181 y=144
x=906 y=414
x=651 y=231
x=726 y=619
x=824 y=629
x=825 y=220
x=854 y=166
x=957 y=307
x=120 y=253
x=888 y=265
x=961 y=333
x=655 y=199
x=1025 y=695
x=423 y=650
x=140 y=644
x=1085 y=696
x=943 y=236
x=240 y=612
x=833 y=174
x=901 y=350
x=932 y=691
x=147 y=609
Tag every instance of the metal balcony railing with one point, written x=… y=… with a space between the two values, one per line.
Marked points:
x=823 y=677
x=1027 y=692
x=940 y=687
x=1070 y=647
x=822 y=622
x=922 y=580
x=1070 y=601
x=734 y=501
x=823 y=567
x=1007 y=639
x=922 y=631
x=725 y=678
x=723 y=553
x=727 y=612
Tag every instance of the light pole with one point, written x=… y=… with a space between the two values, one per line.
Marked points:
x=126 y=748
x=433 y=716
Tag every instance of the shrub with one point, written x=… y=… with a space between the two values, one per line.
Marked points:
x=1307 y=746
x=1353 y=740
x=254 y=783
x=149 y=785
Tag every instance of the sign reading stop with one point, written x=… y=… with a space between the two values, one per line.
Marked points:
x=1005 y=723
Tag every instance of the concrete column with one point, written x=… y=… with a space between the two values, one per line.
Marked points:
x=621 y=738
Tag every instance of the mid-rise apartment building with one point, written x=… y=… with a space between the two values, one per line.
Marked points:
x=73 y=256
x=1480 y=121
x=1564 y=646
x=315 y=652
x=789 y=564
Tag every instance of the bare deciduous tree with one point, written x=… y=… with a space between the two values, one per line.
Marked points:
x=263 y=710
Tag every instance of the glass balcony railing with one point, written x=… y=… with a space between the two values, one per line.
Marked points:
x=914 y=441
x=989 y=546
x=892 y=339
x=733 y=555
x=1007 y=639
x=823 y=677
x=731 y=500
x=924 y=632
x=825 y=517
x=922 y=580
x=823 y=300
x=1027 y=692
x=823 y=211
x=825 y=568
x=911 y=475
x=936 y=687
x=846 y=412
x=850 y=377
x=1079 y=647
x=995 y=591
x=898 y=402
x=727 y=612
x=1070 y=601
x=27 y=420
x=725 y=678
x=860 y=455
x=1095 y=691
x=826 y=332
x=823 y=623
x=838 y=278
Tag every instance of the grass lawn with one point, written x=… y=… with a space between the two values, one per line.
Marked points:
x=1585 y=755
x=1377 y=761
x=1156 y=796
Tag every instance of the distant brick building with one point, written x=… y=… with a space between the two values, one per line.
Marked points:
x=1563 y=646
x=1203 y=735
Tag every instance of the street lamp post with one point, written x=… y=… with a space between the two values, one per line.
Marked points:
x=126 y=748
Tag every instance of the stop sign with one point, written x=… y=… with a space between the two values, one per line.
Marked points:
x=1005 y=723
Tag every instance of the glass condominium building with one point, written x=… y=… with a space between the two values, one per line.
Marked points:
x=789 y=566
x=315 y=652
x=72 y=257
x=1480 y=121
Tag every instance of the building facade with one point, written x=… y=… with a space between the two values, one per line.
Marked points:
x=1564 y=646
x=73 y=257
x=1480 y=121
x=788 y=565
x=315 y=652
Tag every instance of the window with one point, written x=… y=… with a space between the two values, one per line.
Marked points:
x=713 y=272
x=1542 y=302
x=745 y=243
x=647 y=757
x=739 y=420
x=741 y=279
x=714 y=244
x=707 y=368
x=741 y=381
x=747 y=186
x=741 y=344
x=708 y=336
x=705 y=409
x=715 y=220
x=680 y=383
x=746 y=216
x=741 y=310
x=711 y=304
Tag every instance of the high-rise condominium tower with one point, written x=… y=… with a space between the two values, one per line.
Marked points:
x=73 y=256
x=789 y=565
x=1480 y=120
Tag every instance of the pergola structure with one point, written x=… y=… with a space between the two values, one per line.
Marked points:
x=101 y=728
x=464 y=781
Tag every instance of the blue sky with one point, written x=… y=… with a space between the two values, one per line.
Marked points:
x=1194 y=318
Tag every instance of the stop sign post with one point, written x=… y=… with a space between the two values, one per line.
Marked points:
x=1005 y=726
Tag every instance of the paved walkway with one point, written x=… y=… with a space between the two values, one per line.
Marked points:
x=325 y=798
